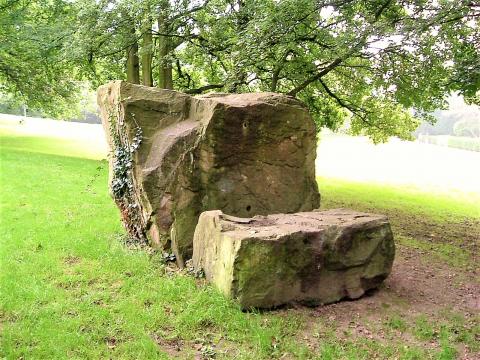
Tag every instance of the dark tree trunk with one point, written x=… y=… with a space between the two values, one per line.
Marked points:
x=240 y=75
x=147 y=54
x=165 y=78
x=133 y=66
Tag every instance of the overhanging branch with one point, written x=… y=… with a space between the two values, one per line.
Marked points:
x=315 y=77
x=204 y=88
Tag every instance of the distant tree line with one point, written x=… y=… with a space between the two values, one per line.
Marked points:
x=459 y=120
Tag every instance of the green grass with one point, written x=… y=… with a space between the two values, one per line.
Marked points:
x=48 y=145
x=453 y=255
x=439 y=207
x=398 y=323
x=70 y=289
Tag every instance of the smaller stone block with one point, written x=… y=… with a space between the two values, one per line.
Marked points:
x=314 y=257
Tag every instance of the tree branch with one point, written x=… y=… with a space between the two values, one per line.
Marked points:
x=192 y=10
x=337 y=99
x=204 y=88
x=354 y=109
x=315 y=77
x=379 y=12
x=278 y=68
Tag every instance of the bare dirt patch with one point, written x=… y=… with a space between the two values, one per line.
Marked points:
x=172 y=347
x=415 y=286
x=72 y=260
x=415 y=290
x=421 y=291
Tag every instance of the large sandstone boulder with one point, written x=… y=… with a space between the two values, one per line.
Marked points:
x=175 y=156
x=314 y=257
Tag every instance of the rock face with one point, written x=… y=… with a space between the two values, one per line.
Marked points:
x=176 y=156
x=314 y=257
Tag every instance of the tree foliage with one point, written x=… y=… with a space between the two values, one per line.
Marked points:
x=379 y=64
x=33 y=67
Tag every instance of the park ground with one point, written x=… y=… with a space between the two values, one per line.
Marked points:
x=70 y=288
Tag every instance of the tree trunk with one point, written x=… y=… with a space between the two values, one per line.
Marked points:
x=240 y=75
x=165 y=79
x=133 y=66
x=278 y=68
x=147 y=50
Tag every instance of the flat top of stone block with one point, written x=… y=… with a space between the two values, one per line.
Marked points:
x=249 y=99
x=134 y=92
x=129 y=92
x=271 y=227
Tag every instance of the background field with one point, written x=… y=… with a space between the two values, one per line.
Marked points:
x=70 y=289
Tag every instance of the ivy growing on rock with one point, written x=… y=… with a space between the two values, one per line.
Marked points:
x=122 y=184
x=122 y=166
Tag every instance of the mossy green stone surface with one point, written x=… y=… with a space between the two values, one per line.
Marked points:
x=314 y=257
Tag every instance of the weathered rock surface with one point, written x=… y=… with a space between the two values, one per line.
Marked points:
x=245 y=154
x=314 y=257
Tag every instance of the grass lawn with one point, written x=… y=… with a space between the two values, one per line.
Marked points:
x=70 y=289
